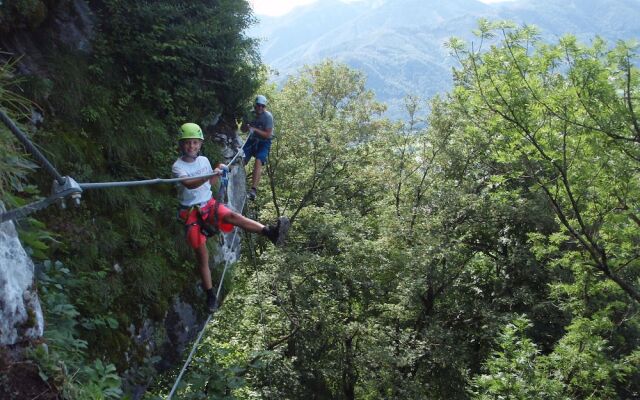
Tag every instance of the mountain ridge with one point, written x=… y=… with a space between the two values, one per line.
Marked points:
x=399 y=44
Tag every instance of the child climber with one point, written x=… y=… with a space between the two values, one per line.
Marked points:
x=201 y=214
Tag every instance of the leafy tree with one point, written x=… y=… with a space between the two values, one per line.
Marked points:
x=463 y=261
x=319 y=177
x=326 y=122
x=565 y=112
x=562 y=117
x=514 y=371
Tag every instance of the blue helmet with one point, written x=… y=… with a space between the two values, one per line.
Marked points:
x=260 y=99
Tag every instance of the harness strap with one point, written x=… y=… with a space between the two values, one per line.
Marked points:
x=215 y=214
x=220 y=197
x=205 y=228
x=209 y=229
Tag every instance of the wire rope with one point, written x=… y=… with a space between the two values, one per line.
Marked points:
x=31 y=148
x=197 y=342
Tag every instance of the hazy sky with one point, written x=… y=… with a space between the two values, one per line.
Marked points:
x=281 y=7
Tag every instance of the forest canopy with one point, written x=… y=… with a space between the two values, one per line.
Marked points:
x=487 y=251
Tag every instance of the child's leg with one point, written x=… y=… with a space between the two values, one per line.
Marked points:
x=243 y=222
x=203 y=265
x=276 y=234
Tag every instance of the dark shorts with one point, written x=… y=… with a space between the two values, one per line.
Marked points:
x=257 y=148
x=189 y=216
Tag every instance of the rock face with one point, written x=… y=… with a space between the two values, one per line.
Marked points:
x=229 y=252
x=20 y=313
x=68 y=24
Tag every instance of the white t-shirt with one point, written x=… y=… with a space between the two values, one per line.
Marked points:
x=201 y=194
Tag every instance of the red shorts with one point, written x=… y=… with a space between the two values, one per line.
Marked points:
x=195 y=238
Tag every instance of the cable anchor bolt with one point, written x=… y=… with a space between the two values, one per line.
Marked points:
x=68 y=188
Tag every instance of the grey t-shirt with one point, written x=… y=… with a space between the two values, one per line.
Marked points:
x=263 y=121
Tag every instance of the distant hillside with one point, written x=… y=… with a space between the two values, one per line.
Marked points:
x=399 y=43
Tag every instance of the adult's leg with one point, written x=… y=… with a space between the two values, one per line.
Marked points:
x=262 y=155
x=257 y=171
x=202 y=256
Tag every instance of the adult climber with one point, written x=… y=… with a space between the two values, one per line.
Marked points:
x=258 y=144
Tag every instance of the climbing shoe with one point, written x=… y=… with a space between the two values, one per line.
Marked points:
x=211 y=300
x=252 y=193
x=278 y=233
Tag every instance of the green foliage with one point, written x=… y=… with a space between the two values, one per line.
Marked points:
x=584 y=361
x=35 y=238
x=514 y=371
x=186 y=59
x=564 y=115
x=217 y=374
x=579 y=367
x=104 y=383
x=14 y=166
x=561 y=116
x=64 y=360
x=327 y=115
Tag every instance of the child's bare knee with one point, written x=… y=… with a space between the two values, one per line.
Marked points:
x=232 y=218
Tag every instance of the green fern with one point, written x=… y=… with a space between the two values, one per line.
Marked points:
x=14 y=166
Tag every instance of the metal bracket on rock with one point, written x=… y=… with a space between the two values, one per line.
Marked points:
x=69 y=188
